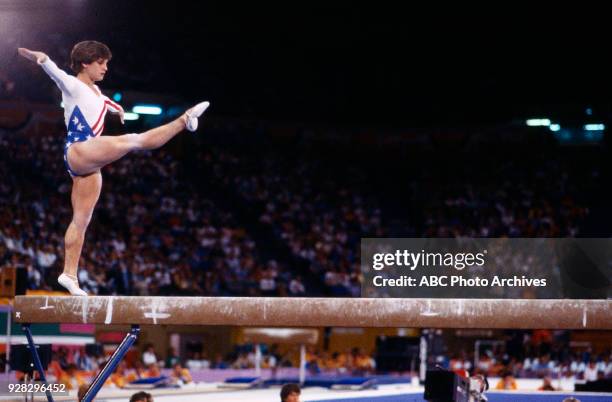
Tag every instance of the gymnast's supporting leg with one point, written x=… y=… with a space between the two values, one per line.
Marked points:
x=85 y=194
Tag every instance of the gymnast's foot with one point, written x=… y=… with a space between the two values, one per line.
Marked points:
x=191 y=116
x=71 y=283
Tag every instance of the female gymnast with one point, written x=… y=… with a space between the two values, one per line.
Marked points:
x=86 y=151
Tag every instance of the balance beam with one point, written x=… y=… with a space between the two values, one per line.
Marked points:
x=317 y=312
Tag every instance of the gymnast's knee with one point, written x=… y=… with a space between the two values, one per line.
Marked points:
x=81 y=221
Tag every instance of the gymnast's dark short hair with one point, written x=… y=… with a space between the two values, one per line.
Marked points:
x=87 y=52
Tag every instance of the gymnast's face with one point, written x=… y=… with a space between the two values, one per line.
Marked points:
x=96 y=70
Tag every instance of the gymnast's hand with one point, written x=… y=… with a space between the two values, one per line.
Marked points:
x=38 y=57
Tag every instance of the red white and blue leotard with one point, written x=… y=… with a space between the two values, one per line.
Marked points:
x=84 y=107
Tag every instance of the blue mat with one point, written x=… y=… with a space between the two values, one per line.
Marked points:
x=330 y=381
x=152 y=382
x=241 y=380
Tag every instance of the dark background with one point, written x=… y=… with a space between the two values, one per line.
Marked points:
x=381 y=65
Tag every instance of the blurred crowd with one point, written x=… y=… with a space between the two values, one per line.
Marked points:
x=531 y=354
x=585 y=366
x=75 y=368
x=233 y=221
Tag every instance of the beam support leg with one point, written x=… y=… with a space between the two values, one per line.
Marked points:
x=110 y=366
x=35 y=358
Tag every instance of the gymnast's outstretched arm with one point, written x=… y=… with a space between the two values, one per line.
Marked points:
x=64 y=81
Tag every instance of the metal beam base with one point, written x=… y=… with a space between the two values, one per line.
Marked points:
x=37 y=363
x=110 y=366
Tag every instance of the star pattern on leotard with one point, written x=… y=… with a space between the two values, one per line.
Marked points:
x=78 y=129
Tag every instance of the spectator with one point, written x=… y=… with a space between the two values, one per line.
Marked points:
x=507 y=382
x=290 y=393
x=141 y=397
x=547 y=385
x=149 y=357
x=172 y=358
x=590 y=372
x=181 y=375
